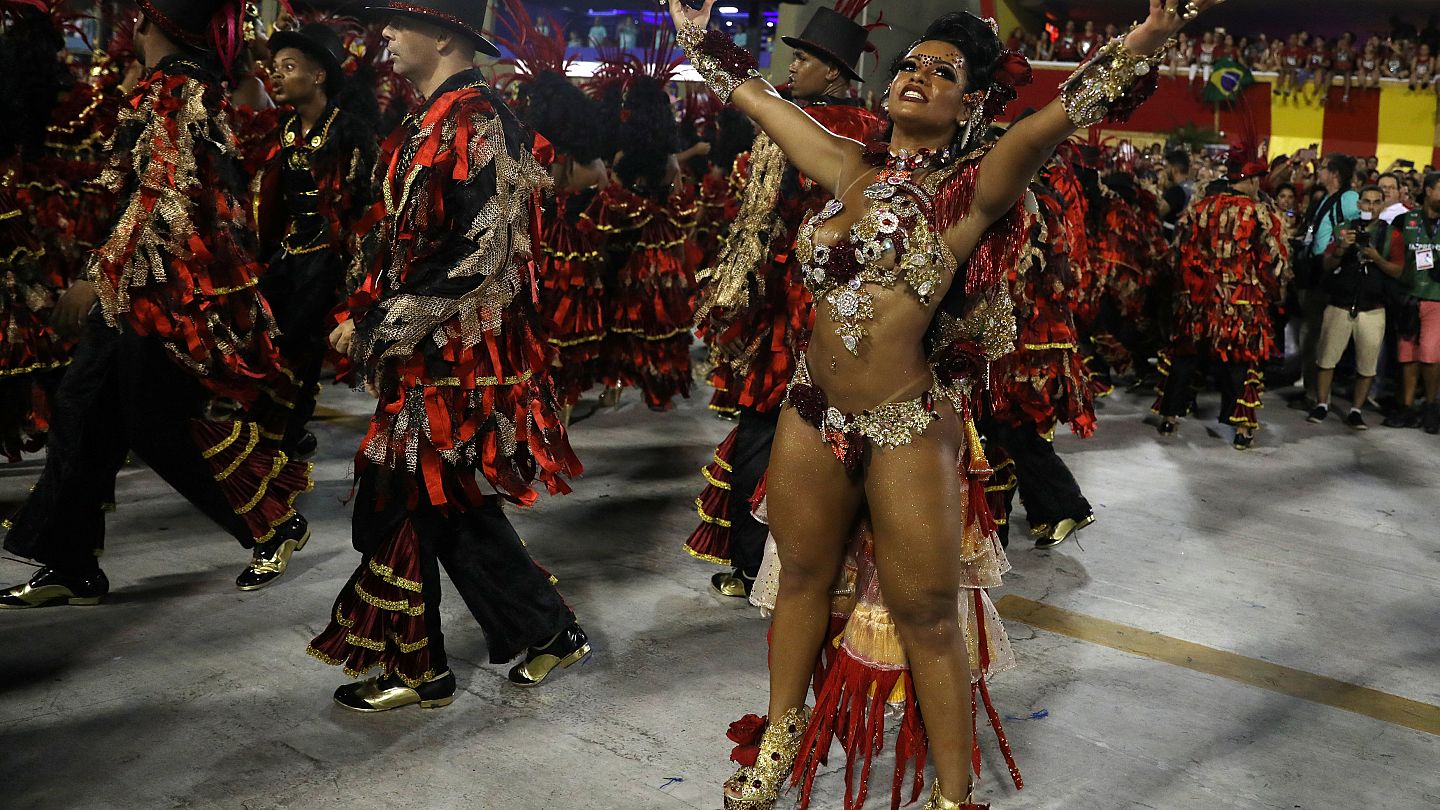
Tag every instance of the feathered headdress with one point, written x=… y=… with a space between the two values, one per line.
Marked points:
x=532 y=52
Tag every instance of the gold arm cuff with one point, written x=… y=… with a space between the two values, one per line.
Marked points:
x=1096 y=85
x=722 y=81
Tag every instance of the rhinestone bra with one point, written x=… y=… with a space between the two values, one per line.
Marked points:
x=897 y=223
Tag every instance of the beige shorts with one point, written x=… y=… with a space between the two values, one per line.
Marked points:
x=1367 y=329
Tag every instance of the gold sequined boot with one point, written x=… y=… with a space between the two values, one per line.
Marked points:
x=758 y=786
x=939 y=802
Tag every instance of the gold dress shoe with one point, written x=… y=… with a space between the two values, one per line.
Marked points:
x=271 y=559
x=732 y=583
x=389 y=692
x=1062 y=531
x=567 y=648
x=1039 y=530
x=50 y=587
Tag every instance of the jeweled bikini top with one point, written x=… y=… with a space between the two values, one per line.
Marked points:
x=898 y=224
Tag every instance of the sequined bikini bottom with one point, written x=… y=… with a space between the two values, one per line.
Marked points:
x=891 y=425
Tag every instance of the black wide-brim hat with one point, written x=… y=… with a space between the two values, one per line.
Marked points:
x=319 y=42
x=187 y=21
x=464 y=16
x=835 y=38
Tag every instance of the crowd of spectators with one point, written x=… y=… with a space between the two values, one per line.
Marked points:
x=1365 y=256
x=1302 y=61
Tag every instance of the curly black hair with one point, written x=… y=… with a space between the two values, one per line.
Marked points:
x=648 y=135
x=554 y=107
x=975 y=39
x=31 y=80
x=735 y=135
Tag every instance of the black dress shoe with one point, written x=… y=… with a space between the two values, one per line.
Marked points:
x=1166 y=428
x=50 y=587
x=569 y=646
x=1243 y=441
x=304 y=447
x=271 y=558
x=390 y=692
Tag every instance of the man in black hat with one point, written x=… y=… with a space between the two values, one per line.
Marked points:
x=179 y=327
x=314 y=187
x=443 y=328
x=769 y=319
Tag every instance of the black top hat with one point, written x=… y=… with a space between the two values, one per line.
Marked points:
x=321 y=43
x=188 y=21
x=465 y=16
x=835 y=38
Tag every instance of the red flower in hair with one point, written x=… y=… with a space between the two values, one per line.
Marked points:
x=746 y=732
x=1013 y=69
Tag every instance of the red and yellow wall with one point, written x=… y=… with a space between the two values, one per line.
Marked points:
x=1391 y=122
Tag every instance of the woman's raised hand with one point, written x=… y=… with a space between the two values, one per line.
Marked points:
x=1166 y=19
x=682 y=14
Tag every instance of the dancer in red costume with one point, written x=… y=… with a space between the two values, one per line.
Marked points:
x=1233 y=267
x=755 y=307
x=311 y=191
x=646 y=216
x=907 y=266
x=1042 y=383
x=444 y=330
x=1130 y=247
x=38 y=193
x=179 y=322
x=569 y=260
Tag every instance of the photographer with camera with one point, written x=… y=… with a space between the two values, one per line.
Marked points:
x=1420 y=341
x=1341 y=204
x=1357 y=269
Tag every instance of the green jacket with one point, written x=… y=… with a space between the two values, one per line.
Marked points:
x=1419 y=237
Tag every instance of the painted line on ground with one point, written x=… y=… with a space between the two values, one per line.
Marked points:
x=1297 y=683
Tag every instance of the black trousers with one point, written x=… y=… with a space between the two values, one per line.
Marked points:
x=122 y=394
x=751 y=459
x=302 y=291
x=1046 y=486
x=1229 y=379
x=512 y=598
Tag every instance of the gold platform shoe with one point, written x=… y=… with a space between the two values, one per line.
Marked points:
x=758 y=786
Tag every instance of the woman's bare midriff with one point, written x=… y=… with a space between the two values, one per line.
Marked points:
x=891 y=366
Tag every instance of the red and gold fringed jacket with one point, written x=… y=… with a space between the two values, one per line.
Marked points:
x=1233 y=267
x=178 y=267
x=446 y=328
x=1043 y=383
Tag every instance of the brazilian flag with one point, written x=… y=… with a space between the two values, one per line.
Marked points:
x=1228 y=79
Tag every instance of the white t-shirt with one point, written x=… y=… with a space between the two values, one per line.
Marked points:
x=1389 y=214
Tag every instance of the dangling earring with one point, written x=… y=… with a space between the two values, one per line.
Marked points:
x=976 y=101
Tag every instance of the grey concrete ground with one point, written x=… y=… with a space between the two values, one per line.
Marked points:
x=1318 y=550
